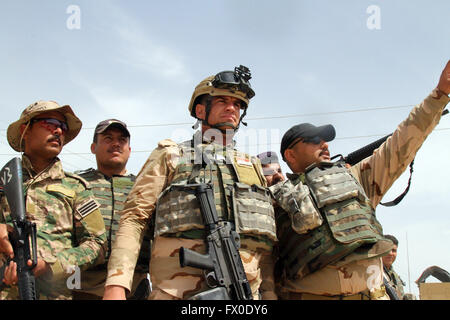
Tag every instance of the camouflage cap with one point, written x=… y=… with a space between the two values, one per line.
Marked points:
x=268 y=157
x=105 y=124
x=73 y=123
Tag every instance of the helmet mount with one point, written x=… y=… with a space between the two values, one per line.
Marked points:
x=226 y=83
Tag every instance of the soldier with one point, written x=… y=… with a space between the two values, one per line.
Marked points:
x=217 y=102
x=271 y=167
x=111 y=184
x=70 y=229
x=330 y=242
x=389 y=273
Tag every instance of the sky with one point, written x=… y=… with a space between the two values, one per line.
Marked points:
x=359 y=65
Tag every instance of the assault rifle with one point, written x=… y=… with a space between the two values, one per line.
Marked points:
x=358 y=155
x=24 y=234
x=226 y=274
x=390 y=290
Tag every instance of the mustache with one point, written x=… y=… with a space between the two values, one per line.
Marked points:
x=56 y=138
x=277 y=179
x=227 y=114
x=325 y=152
x=114 y=149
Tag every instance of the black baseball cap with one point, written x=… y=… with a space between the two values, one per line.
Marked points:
x=105 y=124
x=268 y=157
x=307 y=132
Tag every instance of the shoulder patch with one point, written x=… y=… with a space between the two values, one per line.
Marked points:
x=57 y=187
x=87 y=207
x=166 y=143
x=81 y=172
x=77 y=177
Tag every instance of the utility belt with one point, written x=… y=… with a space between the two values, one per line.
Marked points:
x=376 y=294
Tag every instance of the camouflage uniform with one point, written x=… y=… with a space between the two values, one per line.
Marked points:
x=357 y=274
x=70 y=229
x=395 y=281
x=166 y=166
x=111 y=193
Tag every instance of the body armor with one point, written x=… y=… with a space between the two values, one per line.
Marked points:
x=239 y=194
x=326 y=220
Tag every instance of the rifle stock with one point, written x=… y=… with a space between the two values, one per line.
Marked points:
x=23 y=238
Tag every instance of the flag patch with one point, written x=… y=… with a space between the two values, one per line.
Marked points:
x=87 y=207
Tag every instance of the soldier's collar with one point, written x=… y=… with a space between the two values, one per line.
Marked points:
x=199 y=138
x=26 y=164
x=296 y=176
x=54 y=170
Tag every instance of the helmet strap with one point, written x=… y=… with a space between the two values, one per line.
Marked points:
x=21 y=137
x=196 y=124
x=218 y=125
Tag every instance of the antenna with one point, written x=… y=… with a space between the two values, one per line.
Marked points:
x=407 y=257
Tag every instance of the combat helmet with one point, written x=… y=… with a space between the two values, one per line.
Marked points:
x=226 y=83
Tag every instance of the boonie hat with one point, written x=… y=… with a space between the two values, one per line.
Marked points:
x=73 y=123
x=306 y=131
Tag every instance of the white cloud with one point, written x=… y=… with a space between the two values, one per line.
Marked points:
x=138 y=50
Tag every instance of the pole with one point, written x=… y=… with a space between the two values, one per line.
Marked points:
x=407 y=256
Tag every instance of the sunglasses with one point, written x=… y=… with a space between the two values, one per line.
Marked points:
x=51 y=124
x=237 y=80
x=312 y=140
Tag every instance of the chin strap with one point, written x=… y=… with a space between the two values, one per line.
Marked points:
x=221 y=124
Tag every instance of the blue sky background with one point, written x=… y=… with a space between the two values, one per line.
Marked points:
x=311 y=61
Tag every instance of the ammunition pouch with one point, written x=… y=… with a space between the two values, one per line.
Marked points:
x=248 y=206
x=350 y=222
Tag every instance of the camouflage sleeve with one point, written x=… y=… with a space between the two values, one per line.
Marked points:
x=378 y=172
x=267 y=287
x=90 y=236
x=151 y=180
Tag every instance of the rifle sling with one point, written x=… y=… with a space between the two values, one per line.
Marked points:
x=400 y=197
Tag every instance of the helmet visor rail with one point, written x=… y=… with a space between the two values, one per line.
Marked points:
x=237 y=80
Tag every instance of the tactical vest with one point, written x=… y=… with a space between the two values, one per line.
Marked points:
x=346 y=224
x=112 y=193
x=239 y=194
